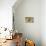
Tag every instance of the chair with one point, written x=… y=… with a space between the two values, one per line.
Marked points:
x=18 y=39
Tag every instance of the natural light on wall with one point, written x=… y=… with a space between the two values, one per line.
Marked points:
x=6 y=13
x=6 y=18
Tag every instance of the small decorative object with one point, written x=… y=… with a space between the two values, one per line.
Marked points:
x=29 y=19
x=29 y=43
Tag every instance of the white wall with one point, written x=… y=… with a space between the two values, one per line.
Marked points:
x=28 y=8
x=6 y=18
x=43 y=22
x=6 y=13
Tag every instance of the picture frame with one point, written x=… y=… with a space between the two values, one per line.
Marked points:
x=29 y=19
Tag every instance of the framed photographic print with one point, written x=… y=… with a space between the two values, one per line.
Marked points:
x=29 y=19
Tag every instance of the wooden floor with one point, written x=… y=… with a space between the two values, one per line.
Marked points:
x=9 y=43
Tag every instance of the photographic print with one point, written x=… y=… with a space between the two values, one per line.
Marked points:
x=29 y=19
